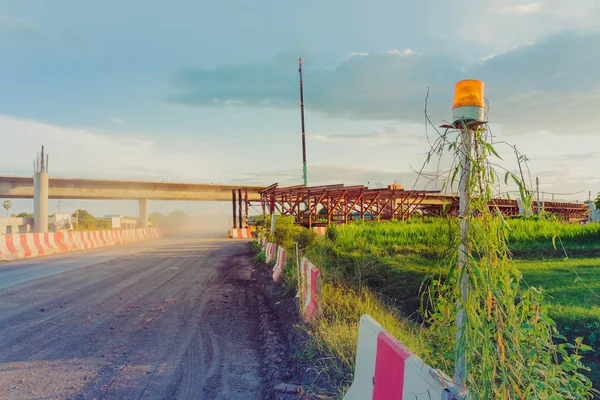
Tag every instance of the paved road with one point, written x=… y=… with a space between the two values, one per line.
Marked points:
x=166 y=319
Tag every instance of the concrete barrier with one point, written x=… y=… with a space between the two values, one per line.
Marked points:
x=29 y=245
x=263 y=242
x=245 y=233
x=386 y=369
x=312 y=295
x=321 y=230
x=270 y=252
x=279 y=264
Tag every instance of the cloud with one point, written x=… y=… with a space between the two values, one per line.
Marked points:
x=80 y=153
x=346 y=173
x=531 y=8
x=117 y=121
x=388 y=135
x=549 y=84
x=18 y=28
x=16 y=24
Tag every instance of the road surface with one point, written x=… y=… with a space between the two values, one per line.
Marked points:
x=174 y=318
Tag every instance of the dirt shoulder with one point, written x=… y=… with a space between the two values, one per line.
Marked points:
x=285 y=343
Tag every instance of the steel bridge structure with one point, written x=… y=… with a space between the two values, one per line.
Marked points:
x=339 y=204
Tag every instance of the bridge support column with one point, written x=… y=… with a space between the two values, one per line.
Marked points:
x=143 y=214
x=40 y=202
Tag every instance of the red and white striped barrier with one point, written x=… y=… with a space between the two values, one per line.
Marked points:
x=279 y=264
x=270 y=252
x=310 y=280
x=321 y=230
x=28 y=245
x=245 y=233
x=386 y=369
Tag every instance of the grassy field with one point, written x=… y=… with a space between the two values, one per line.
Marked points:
x=390 y=261
x=433 y=237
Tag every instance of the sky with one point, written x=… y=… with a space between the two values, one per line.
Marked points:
x=208 y=91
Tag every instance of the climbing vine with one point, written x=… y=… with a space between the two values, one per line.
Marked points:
x=512 y=347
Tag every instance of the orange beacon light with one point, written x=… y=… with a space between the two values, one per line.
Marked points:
x=469 y=101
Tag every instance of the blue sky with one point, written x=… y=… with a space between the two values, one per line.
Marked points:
x=207 y=91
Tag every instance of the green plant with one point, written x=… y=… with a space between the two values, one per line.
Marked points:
x=306 y=238
x=507 y=336
x=256 y=248
x=260 y=258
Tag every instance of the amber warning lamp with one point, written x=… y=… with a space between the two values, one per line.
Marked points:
x=469 y=103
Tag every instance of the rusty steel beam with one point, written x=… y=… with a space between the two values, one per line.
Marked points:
x=340 y=201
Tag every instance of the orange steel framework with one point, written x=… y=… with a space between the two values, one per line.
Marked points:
x=339 y=204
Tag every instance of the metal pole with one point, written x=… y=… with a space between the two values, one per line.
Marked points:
x=298 y=271
x=247 y=211
x=240 y=209
x=537 y=187
x=234 y=212
x=590 y=207
x=304 y=172
x=463 y=253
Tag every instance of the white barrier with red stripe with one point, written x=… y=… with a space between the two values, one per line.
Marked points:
x=270 y=252
x=28 y=245
x=279 y=264
x=245 y=233
x=386 y=370
x=321 y=230
x=310 y=281
x=263 y=243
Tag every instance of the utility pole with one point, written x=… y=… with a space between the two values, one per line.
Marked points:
x=304 y=171
x=537 y=187
x=591 y=207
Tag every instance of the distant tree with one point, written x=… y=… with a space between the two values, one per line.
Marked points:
x=85 y=220
x=157 y=219
x=176 y=215
x=24 y=215
x=103 y=224
x=7 y=205
x=597 y=202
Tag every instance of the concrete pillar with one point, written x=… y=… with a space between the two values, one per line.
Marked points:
x=40 y=202
x=143 y=213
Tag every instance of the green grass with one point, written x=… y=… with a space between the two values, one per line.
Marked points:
x=394 y=259
x=572 y=293
x=571 y=286
x=379 y=269
x=432 y=237
x=336 y=333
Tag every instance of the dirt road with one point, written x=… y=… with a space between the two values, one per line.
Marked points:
x=175 y=321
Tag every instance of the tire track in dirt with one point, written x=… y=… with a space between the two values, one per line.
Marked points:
x=176 y=322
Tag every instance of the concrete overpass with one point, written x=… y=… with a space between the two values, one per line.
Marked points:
x=41 y=188
x=16 y=187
